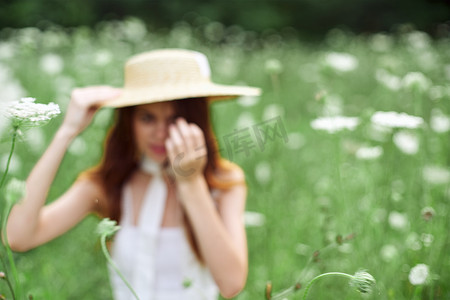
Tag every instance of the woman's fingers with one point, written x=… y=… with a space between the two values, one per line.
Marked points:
x=186 y=148
x=186 y=134
x=177 y=140
x=198 y=141
x=94 y=96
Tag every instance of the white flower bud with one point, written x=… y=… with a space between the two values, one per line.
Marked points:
x=363 y=282
x=107 y=227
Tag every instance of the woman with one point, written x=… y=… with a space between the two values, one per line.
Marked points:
x=179 y=204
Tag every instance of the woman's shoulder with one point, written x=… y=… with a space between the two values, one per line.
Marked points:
x=94 y=188
x=227 y=175
x=230 y=172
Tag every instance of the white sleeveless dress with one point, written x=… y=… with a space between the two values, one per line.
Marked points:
x=157 y=261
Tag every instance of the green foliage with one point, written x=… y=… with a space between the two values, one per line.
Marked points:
x=312 y=189
x=310 y=18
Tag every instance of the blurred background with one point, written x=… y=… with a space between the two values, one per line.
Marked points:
x=355 y=173
x=308 y=17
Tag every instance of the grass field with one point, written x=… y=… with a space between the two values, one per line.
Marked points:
x=357 y=195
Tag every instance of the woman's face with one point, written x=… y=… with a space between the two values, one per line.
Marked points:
x=151 y=128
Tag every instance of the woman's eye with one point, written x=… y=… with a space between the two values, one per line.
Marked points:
x=147 y=118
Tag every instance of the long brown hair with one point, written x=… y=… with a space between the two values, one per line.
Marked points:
x=120 y=159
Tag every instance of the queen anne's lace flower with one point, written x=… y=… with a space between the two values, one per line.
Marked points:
x=393 y=119
x=369 y=153
x=335 y=124
x=27 y=113
x=342 y=62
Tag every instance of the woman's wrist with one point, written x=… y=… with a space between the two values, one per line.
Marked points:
x=66 y=133
x=191 y=184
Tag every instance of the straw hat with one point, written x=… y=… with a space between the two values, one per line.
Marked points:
x=171 y=74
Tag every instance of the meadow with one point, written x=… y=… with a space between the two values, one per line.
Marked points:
x=334 y=184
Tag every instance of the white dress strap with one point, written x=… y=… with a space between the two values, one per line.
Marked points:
x=149 y=222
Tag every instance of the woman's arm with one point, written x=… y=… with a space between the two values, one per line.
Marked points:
x=30 y=224
x=220 y=235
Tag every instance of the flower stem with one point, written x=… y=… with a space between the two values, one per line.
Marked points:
x=323 y=275
x=284 y=293
x=9 y=252
x=8 y=282
x=113 y=265
x=10 y=156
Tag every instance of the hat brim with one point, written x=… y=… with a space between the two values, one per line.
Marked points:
x=210 y=91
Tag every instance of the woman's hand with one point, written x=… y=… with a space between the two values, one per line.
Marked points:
x=186 y=149
x=83 y=104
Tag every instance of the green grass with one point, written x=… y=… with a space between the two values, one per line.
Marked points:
x=315 y=192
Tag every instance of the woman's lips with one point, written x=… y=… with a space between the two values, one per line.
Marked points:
x=158 y=149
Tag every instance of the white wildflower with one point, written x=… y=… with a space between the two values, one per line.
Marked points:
x=419 y=274
x=398 y=220
x=427 y=60
x=418 y=40
x=388 y=252
x=335 y=124
x=27 y=113
x=390 y=81
x=416 y=81
x=363 y=282
x=413 y=241
x=381 y=42
x=427 y=239
x=103 y=57
x=254 y=219
x=273 y=66
x=134 y=29
x=107 y=227
x=342 y=62
x=247 y=101
x=407 y=142
x=436 y=175
x=272 y=111
x=263 y=172
x=51 y=64
x=295 y=141
x=6 y=50
x=396 y=120
x=439 y=122
x=369 y=153
x=244 y=120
